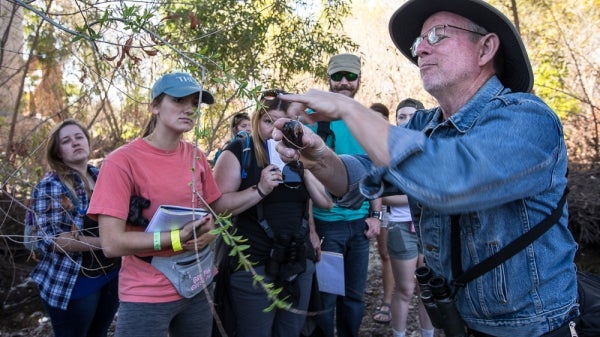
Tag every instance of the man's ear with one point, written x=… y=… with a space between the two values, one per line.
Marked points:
x=489 y=46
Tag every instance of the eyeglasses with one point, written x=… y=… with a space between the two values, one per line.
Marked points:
x=341 y=74
x=435 y=35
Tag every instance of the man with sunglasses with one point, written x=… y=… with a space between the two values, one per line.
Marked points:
x=345 y=230
x=481 y=170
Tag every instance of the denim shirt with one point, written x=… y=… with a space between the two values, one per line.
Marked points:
x=500 y=162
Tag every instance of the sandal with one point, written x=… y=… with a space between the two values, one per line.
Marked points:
x=383 y=314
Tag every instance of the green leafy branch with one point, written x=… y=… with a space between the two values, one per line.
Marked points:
x=237 y=248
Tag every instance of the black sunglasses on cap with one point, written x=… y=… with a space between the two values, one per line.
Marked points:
x=270 y=100
x=272 y=94
x=341 y=74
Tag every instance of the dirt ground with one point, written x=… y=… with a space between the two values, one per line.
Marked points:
x=23 y=314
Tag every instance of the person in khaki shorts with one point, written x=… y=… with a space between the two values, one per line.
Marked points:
x=403 y=248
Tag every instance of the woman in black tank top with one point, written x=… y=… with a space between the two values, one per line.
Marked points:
x=270 y=207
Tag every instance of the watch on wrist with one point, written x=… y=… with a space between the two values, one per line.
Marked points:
x=376 y=214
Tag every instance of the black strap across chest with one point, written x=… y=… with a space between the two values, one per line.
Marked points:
x=462 y=278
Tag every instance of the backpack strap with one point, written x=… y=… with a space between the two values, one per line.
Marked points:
x=324 y=131
x=265 y=225
x=245 y=164
x=461 y=279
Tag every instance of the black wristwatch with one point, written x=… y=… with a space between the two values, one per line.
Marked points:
x=376 y=214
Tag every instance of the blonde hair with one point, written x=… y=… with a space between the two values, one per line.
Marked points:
x=260 y=151
x=268 y=102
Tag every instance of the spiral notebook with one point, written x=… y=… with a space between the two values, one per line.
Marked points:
x=169 y=217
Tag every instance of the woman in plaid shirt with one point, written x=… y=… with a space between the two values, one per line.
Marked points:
x=77 y=283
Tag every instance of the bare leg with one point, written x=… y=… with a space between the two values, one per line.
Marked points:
x=387 y=278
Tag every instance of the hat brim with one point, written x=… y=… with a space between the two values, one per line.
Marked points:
x=406 y=23
x=182 y=91
x=207 y=97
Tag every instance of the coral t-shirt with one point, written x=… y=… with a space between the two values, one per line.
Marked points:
x=164 y=178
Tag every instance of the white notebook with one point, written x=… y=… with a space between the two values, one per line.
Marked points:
x=169 y=217
x=330 y=273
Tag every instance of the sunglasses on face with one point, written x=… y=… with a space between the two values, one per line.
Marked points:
x=341 y=74
x=435 y=35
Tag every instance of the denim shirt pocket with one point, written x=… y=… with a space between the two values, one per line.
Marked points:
x=432 y=245
x=499 y=286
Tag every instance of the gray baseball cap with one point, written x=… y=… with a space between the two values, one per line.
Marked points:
x=344 y=62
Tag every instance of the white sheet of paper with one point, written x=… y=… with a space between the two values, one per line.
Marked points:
x=274 y=157
x=330 y=273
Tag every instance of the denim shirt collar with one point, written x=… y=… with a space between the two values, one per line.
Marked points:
x=466 y=116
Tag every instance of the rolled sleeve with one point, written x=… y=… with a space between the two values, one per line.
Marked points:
x=357 y=167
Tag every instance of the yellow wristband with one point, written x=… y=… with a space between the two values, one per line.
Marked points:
x=157 y=241
x=176 y=240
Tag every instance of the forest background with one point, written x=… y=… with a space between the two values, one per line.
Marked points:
x=96 y=60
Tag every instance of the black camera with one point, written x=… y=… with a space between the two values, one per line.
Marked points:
x=293 y=174
x=136 y=206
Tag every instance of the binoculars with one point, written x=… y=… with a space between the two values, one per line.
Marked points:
x=288 y=257
x=439 y=304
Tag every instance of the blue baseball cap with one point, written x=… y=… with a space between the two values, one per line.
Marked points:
x=179 y=84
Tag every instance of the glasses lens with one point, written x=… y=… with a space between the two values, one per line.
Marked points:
x=293 y=174
x=433 y=37
x=336 y=76
x=339 y=75
x=415 y=45
x=351 y=76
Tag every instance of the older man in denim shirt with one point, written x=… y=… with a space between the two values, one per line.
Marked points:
x=491 y=154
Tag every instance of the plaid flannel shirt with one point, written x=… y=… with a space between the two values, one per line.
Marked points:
x=55 y=213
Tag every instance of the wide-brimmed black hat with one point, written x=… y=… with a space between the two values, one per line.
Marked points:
x=407 y=21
